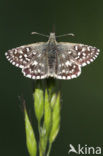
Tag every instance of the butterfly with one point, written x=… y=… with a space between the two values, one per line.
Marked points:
x=60 y=60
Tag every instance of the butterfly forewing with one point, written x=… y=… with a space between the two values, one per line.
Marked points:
x=71 y=57
x=31 y=58
x=22 y=55
x=81 y=53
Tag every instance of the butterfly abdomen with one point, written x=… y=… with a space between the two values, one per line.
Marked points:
x=51 y=59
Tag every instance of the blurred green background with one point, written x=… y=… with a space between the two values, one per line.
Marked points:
x=82 y=98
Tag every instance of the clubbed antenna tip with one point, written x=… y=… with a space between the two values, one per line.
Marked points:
x=70 y=34
x=33 y=33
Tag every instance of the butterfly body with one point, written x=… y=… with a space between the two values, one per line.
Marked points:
x=61 y=60
x=52 y=56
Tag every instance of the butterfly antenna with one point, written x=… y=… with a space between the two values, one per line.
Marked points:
x=53 y=28
x=33 y=33
x=70 y=34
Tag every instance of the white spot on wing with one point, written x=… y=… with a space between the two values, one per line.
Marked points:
x=20 y=51
x=13 y=63
x=35 y=63
x=29 y=76
x=27 y=49
x=84 y=64
x=64 y=77
x=25 y=55
x=76 y=47
x=38 y=77
x=20 y=56
x=68 y=63
x=68 y=77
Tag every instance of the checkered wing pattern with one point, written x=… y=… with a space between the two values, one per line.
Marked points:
x=30 y=58
x=71 y=57
x=61 y=61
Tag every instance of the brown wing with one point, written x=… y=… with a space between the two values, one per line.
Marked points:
x=31 y=58
x=83 y=54
x=70 y=58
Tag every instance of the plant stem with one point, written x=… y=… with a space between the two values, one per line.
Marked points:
x=47 y=112
x=49 y=149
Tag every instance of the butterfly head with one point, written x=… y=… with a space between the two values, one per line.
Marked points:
x=52 y=38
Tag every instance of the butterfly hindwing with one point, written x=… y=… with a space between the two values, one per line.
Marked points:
x=37 y=69
x=67 y=68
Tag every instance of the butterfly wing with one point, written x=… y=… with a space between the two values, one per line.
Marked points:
x=31 y=58
x=83 y=54
x=71 y=56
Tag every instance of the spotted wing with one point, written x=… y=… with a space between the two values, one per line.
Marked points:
x=31 y=58
x=70 y=58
